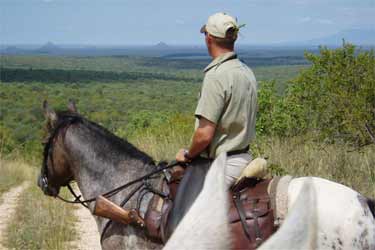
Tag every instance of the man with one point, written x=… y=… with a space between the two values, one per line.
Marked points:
x=227 y=106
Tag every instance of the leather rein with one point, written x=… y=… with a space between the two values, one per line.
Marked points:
x=145 y=186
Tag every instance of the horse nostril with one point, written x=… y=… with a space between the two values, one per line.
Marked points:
x=47 y=190
x=39 y=181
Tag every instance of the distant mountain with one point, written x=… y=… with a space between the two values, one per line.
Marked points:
x=161 y=45
x=355 y=36
x=48 y=48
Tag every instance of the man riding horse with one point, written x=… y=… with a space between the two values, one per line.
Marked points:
x=225 y=114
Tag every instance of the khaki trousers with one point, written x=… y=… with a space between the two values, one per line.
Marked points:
x=234 y=166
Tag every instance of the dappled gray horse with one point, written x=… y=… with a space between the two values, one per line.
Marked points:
x=98 y=161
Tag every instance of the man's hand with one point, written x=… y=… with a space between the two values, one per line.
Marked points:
x=180 y=156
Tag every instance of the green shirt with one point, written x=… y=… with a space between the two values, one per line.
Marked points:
x=229 y=99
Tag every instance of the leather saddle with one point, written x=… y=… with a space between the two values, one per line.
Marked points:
x=251 y=216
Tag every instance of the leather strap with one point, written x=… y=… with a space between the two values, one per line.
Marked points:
x=258 y=234
x=241 y=212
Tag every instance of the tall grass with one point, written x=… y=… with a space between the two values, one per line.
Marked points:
x=298 y=156
x=163 y=140
x=161 y=148
x=339 y=163
x=12 y=173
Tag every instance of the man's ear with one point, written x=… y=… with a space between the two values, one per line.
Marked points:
x=72 y=106
x=49 y=113
x=208 y=38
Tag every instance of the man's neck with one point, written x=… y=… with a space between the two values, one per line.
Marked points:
x=218 y=52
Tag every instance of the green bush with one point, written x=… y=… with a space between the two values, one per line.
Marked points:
x=335 y=97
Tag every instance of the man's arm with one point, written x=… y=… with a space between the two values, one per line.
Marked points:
x=202 y=137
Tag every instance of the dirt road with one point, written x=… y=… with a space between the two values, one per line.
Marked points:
x=7 y=208
x=88 y=238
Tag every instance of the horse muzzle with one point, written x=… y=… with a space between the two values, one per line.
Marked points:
x=47 y=190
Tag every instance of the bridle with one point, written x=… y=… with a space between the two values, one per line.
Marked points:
x=47 y=154
x=144 y=188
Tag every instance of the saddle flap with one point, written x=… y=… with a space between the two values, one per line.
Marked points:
x=253 y=208
x=250 y=214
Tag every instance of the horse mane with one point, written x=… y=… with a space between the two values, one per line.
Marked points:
x=120 y=144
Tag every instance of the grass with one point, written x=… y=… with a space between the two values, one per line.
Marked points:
x=39 y=222
x=161 y=146
x=299 y=157
x=13 y=173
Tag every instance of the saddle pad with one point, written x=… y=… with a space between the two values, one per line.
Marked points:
x=278 y=191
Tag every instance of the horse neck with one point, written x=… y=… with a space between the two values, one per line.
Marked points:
x=100 y=164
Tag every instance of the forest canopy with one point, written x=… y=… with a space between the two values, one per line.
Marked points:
x=331 y=100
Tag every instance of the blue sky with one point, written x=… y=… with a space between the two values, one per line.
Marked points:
x=125 y=22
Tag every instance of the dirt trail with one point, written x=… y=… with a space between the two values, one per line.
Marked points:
x=7 y=208
x=88 y=236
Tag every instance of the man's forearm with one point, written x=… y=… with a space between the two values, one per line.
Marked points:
x=202 y=137
x=200 y=143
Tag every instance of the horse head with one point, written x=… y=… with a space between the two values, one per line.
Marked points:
x=56 y=170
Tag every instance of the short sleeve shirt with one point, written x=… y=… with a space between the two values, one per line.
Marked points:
x=229 y=99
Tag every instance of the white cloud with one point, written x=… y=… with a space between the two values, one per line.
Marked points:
x=324 y=21
x=305 y=19
x=308 y=19
x=179 y=21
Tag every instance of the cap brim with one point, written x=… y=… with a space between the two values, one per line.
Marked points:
x=203 y=29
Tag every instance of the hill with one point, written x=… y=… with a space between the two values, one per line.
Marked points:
x=48 y=48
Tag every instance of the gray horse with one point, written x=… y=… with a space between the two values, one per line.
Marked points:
x=98 y=161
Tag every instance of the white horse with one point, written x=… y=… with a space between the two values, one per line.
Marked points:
x=321 y=215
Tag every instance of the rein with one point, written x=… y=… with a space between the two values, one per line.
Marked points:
x=118 y=189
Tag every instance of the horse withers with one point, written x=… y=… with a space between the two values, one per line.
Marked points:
x=78 y=149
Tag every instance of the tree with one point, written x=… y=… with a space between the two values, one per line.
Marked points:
x=336 y=95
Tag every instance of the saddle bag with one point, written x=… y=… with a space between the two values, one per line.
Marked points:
x=159 y=207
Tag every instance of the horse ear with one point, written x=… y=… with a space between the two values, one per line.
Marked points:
x=72 y=106
x=49 y=113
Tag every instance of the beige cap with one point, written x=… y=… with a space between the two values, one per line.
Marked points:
x=218 y=24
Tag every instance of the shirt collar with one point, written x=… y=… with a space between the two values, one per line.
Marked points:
x=220 y=59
